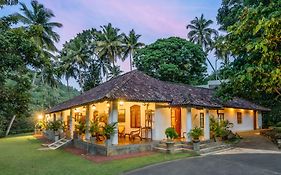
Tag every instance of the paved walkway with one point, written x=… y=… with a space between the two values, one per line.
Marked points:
x=253 y=140
x=254 y=155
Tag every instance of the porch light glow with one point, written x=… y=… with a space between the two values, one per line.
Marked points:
x=40 y=117
x=76 y=110
x=121 y=103
x=107 y=104
x=94 y=107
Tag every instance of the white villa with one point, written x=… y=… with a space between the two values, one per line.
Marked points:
x=141 y=103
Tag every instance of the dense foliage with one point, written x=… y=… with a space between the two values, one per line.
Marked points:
x=91 y=56
x=26 y=67
x=255 y=42
x=173 y=59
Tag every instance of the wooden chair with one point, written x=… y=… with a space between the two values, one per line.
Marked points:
x=136 y=133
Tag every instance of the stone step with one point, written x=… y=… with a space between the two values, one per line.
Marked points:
x=213 y=149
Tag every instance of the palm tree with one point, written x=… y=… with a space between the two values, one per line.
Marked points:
x=109 y=44
x=200 y=33
x=75 y=60
x=39 y=16
x=131 y=44
x=221 y=51
x=8 y=2
x=114 y=71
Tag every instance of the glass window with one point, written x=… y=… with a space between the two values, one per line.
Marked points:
x=201 y=120
x=239 y=118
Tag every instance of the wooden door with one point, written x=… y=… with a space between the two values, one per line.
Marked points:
x=255 y=120
x=176 y=120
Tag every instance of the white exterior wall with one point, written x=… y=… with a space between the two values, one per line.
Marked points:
x=162 y=120
x=247 y=124
x=127 y=106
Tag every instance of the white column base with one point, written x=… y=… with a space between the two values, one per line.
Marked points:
x=207 y=125
x=188 y=123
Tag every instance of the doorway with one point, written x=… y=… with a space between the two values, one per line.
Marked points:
x=176 y=120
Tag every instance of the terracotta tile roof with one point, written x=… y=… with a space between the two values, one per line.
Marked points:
x=137 y=86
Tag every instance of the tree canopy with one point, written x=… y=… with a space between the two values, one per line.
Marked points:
x=173 y=59
x=255 y=42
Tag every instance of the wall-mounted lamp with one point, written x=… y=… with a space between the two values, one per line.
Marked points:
x=121 y=103
x=94 y=107
x=76 y=110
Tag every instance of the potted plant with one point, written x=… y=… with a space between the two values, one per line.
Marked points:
x=195 y=134
x=108 y=130
x=94 y=130
x=39 y=127
x=55 y=126
x=171 y=134
x=81 y=129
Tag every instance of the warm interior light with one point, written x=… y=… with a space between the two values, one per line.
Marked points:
x=121 y=103
x=40 y=117
x=94 y=107
x=107 y=104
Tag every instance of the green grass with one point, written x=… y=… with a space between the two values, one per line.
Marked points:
x=19 y=155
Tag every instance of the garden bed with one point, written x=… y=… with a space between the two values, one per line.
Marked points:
x=274 y=134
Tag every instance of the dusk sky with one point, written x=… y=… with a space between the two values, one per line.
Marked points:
x=153 y=19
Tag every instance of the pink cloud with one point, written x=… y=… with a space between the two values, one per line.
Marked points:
x=153 y=17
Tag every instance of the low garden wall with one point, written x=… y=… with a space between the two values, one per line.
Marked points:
x=50 y=135
x=98 y=149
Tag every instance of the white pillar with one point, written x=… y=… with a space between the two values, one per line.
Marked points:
x=88 y=134
x=207 y=125
x=188 y=123
x=259 y=123
x=70 y=120
x=113 y=118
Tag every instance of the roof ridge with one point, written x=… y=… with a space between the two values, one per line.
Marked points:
x=122 y=83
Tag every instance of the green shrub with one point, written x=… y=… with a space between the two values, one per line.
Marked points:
x=278 y=124
x=81 y=127
x=94 y=128
x=109 y=129
x=171 y=133
x=195 y=133
x=55 y=125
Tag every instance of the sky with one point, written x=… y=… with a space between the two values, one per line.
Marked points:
x=153 y=19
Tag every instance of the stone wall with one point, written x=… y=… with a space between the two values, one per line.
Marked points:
x=98 y=149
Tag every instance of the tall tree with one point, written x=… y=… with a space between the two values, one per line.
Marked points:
x=231 y=10
x=201 y=33
x=74 y=55
x=173 y=59
x=8 y=2
x=131 y=44
x=109 y=44
x=255 y=42
x=40 y=17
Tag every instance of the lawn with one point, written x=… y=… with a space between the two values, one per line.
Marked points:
x=19 y=155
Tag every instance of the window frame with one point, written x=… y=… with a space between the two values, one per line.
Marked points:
x=137 y=122
x=239 y=118
x=202 y=120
